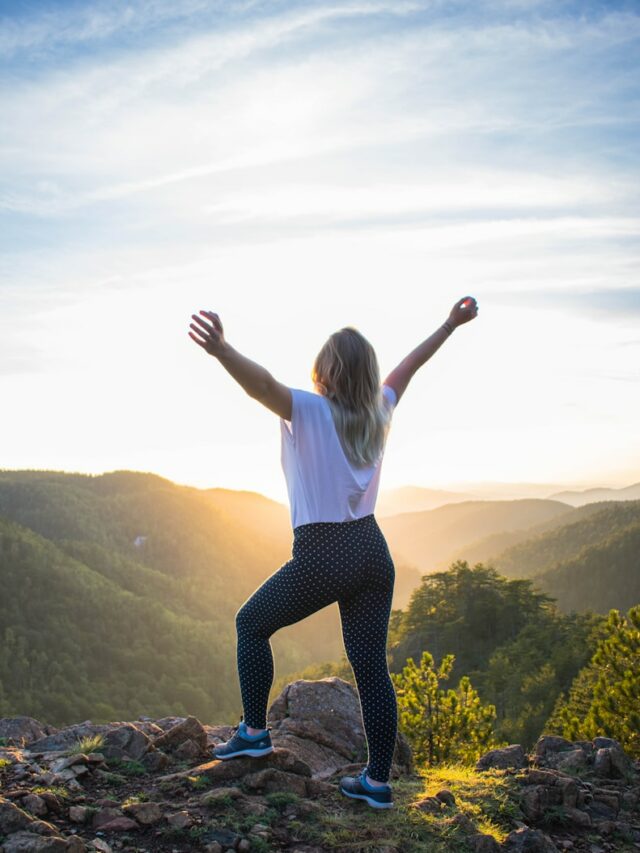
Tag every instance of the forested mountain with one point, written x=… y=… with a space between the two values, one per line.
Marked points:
x=492 y=548
x=147 y=557
x=548 y=545
x=601 y=576
x=120 y=591
x=429 y=539
x=591 y=562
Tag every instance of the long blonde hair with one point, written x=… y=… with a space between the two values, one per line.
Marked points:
x=346 y=372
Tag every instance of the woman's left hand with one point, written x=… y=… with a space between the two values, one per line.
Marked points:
x=210 y=336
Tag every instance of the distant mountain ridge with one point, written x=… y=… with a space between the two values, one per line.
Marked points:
x=579 y=498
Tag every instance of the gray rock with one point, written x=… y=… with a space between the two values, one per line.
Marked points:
x=321 y=722
x=551 y=743
x=509 y=756
x=29 y=842
x=526 y=840
x=570 y=760
x=480 y=843
x=20 y=731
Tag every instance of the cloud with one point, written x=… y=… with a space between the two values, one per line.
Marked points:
x=600 y=304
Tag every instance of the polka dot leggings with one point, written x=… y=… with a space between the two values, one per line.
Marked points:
x=344 y=561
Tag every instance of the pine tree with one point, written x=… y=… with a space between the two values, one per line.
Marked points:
x=614 y=671
x=441 y=725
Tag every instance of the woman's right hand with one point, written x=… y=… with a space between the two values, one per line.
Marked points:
x=210 y=336
x=464 y=310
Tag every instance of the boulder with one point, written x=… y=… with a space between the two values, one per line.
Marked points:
x=145 y=813
x=21 y=731
x=14 y=819
x=30 y=842
x=321 y=722
x=526 y=840
x=512 y=756
x=187 y=730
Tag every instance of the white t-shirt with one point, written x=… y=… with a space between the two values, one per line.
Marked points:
x=321 y=482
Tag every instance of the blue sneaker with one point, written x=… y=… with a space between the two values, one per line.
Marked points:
x=244 y=744
x=379 y=797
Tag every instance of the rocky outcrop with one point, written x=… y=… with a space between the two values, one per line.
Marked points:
x=570 y=793
x=153 y=785
x=317 y=733
x=320 y=721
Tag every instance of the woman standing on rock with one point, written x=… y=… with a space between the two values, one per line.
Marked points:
x=332 y=445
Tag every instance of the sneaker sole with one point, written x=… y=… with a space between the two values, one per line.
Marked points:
x=374 y=803
x=253 y=753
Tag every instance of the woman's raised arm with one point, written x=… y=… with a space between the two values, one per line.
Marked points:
x=464 y=310
x=255 y=379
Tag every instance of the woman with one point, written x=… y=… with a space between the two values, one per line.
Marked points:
x=332 y=444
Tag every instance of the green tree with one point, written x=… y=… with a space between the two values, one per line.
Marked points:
x=614 y=673
x=441 y=725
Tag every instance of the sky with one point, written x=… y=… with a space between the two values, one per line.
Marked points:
x=298 y=167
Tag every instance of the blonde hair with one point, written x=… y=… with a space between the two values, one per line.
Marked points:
x=346 y=372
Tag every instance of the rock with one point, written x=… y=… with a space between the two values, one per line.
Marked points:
x=551 y=743
x=578 y=817
x=573 y=760
x=188 y=751
x=509 y=756
x=212 y=798
x=213 y=847
x=480 y=843
x=189 y=729
x=179 y=820
x=224 y=837
x=464 y=822
x=569 y=790
x=14 y=819
x=101 y=845
x=605 y=743
x=445 y=796
x=20 y=731
x=125 y=742
x=79 y=814
x=35 y=804
x=271 y=780
x=67 y=761
x=104 y=815
x=75 y=844
x=526 y=840
x=30 y=842
x=535 y=800
x=431 y=805
x=61 y=739
x=145 y=813
x=155 y=760
x=602 y=762
x=321 y=722
x=219 y=771
x=119 y=824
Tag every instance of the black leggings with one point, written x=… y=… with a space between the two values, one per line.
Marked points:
x=344 y=561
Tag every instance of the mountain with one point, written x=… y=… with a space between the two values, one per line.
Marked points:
x=497 y=547
x=601 y=576
x=581 y=528
x=414 y=499
x=429 y=539
x=97 y=571
x=579 y=498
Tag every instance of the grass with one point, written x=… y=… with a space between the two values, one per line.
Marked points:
x=127 y=768
x=58 y=790
x=90 y=743
x=142 y=797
